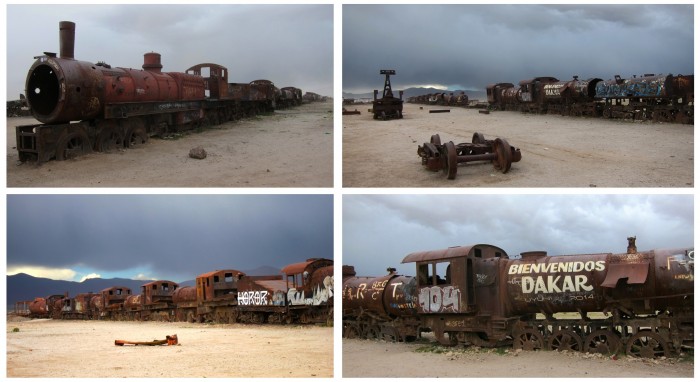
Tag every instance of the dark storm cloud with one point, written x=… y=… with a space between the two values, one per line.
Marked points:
x=470 y=46
x=175 y=236
x=291 y=45
x=380 y=230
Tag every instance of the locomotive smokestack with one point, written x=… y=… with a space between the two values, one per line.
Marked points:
x=631 y=246
x=151 y=62
x=66 y=39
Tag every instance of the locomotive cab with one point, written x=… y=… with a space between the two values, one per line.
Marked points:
x=309 y=282
x=447 y=278
x=454 y=303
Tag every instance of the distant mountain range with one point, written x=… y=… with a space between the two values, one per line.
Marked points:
x=23 y=287
x=412 y=92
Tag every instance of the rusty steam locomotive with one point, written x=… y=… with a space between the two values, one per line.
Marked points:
x=121 y=107
x=640 y=303
x=660 y=98
x=302 y=293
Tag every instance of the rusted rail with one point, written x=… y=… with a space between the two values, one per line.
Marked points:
x=436 y=156
x=439 y=111
x=351 y=112
x=169 y=340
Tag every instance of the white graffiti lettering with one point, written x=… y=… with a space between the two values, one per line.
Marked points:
x=436 y=299
x=320 y=294
x=253 y=297
x=552 y=284
x=563 y=267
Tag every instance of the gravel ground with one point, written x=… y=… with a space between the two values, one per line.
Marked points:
x=556 y=151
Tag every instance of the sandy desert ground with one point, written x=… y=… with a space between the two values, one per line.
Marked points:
x=54 y=348
x=556 y=151
x=377 y=359
x=291 y=148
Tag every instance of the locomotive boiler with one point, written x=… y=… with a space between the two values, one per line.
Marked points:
x=640 y=303
x=384 y=307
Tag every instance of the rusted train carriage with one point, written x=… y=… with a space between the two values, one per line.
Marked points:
x=44 y=307
x=478 y=295
x=79 y=307
x=154 y=303
x=85 y=106
x=110 y=302
x=301 y=293
x=660 y=98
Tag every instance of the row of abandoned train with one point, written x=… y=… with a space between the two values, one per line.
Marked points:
x=655 y=97
x=121 y=107
x=302 y=293
x=638 y=303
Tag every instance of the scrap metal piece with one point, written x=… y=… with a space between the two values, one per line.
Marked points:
x=350 y=112
x=169 y=340
x=436 y=156
x=439 y=111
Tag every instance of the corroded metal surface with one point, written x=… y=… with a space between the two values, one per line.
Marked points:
x=437 y=156
x=478 y=295
x=656 y=97
x=169 y=341
x=85 y=106
x=301 y=293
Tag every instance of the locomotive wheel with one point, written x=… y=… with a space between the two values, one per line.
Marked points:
x=647 y=344
x=435 y=139
x=372 y=332
x=108 y=140
x=478 y=138
x=503 y=155
x=528 y=339
x=350 y=332
x=135 y=136
x=603 y=342
x=451 y=160
x=565 y=340
x=73 y=145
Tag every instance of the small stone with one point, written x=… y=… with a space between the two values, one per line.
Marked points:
x=198 y=153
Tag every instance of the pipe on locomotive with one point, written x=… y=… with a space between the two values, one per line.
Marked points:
x=66 y=39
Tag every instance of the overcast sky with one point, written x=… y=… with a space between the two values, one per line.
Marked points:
x=170 y=237
x=471 y=46
x=291 y=45
x=380 y=230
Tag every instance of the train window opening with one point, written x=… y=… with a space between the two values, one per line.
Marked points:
x=477 y=252
x=228 y=277
x=422 y=274
x=499 y=254
x=216 y=279
x=205 y=72
x=440 y=270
